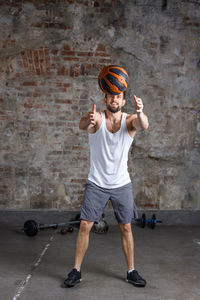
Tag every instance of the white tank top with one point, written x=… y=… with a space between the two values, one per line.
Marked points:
x=109 y=155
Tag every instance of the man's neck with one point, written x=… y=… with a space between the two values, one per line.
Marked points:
x=113 y=117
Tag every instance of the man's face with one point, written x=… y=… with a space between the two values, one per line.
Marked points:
x=114 y=103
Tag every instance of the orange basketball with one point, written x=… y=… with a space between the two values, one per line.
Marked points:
x=113 y=80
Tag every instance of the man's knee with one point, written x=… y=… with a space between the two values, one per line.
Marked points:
x=85 y=226
x=125 y=228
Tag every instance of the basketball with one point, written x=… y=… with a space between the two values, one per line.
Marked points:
x=113 y=80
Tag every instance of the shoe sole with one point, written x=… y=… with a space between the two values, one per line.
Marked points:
x=72 y=285
x=136 y=284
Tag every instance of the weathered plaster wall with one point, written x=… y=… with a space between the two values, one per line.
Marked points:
x=50 y=57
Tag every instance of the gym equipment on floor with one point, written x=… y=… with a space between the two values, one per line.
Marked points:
x=151 y=222
x=31 y=227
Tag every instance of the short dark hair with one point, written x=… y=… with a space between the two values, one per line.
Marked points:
x=124 y=94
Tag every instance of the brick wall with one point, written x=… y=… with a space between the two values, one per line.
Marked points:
x=51 y=54
x=48 y=157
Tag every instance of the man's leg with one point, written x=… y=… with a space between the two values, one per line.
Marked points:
x=94 y=202
x=127 y=244
x=128 y=247
x=82 y=242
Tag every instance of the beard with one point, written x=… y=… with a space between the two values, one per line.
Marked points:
x=114 y=110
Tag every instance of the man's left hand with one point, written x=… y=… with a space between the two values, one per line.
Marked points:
x=138 y=104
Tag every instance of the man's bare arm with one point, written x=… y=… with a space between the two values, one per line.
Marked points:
x=84 y=122
x=90 y=121
x=140 y=122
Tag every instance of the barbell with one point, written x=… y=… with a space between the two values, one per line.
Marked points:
x=31 y=227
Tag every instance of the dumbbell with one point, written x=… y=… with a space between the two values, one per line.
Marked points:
x=152 y=222
x=65 y=230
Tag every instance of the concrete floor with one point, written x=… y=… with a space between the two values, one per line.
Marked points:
x=168 y=257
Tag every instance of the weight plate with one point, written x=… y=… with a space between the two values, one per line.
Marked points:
x=30 y=228
x=143 y=220
x=153 y=221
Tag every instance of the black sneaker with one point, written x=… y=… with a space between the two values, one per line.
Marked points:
x=134 y=278
x=73 y=278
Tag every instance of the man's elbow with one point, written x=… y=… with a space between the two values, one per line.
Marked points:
x=81 y=126
x=145 y=126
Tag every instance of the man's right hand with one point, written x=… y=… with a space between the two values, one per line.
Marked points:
x=93 y=116
x=89 y=121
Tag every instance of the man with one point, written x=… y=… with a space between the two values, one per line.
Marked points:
x=111 y=134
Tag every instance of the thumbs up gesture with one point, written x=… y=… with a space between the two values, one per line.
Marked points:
x=138 y=104
x=93 y=116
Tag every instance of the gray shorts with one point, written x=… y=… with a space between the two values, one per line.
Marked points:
x=96 y=198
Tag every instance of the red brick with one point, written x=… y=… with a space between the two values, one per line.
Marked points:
x=36 y=58
x=96 y=4
x=29 y=83
x=101 y=48
x=71 y=58
x=54 y=52
x=67 y=84
x=68 y=53
x=24 y=59
x=153 y=45
x=63 y=101
x=36 y=106
x=66 y=47
x=52 y=25
x=78 y=180
x=85 y=53
x=38 y=25
x=26 y=105
x=150 y=205
x=63 y=71
x=64 y=27
x=46 y=53
x=80 y=148
x=101 y=54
